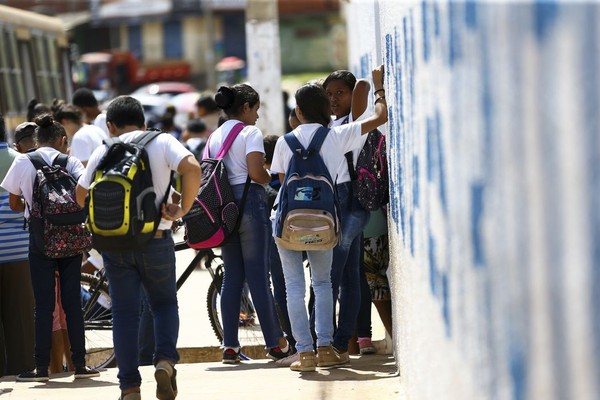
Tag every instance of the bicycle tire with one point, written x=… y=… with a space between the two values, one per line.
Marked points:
x=249 y=330
x=97 y=319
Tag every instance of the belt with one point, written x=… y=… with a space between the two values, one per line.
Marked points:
x=162 y=233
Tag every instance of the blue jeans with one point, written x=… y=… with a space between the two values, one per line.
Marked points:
x=345 y=269
x=293 y=270
x=280 y=294
x=146 y=333
x=153 y=270
x=246 y=258
x=42 y=279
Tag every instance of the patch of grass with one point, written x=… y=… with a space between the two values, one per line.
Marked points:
x=291 y=82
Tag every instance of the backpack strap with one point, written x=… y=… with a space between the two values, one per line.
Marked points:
x=38 y=161
x=351 y=168
x=317 y=140
x=233 y=134
x=143 y=140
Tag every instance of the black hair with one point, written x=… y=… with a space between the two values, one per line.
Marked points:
x=56 y=105
x=269 y=142
x=232 y=99
x=293 y=113
x=208 y=103
x=341 y=75
x=314 y=103
x=48 y=130
x=2 y=129
x=35 y=108
x=84 y=97
x=124 y=111
x=68 y=112
x=196 y=125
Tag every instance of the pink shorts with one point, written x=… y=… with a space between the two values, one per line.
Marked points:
x=59 y=319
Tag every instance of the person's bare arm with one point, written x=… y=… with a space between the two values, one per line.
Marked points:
x=360 y=98
x=16 y=203
x=380 y=115
x=81 y=193
x=191 y=176
x=256 y=167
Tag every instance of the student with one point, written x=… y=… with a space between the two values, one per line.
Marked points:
x=153 y=265
x=84 y=99
x=83 y=138
x=19 y=181
x=196 y=133
x=293 y=119
x=35 y=108
x=16 y=294
x=208 y=110
x=24 y=137
x=313 y=108
x=246 y=252
x=348 y=98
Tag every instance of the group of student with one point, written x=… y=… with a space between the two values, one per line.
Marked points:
x=250 y=255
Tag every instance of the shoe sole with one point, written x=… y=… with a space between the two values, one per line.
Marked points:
x=87 y=376
x=33 y=379
x=368 y=350
x=164 y=390
x=230 y=361
x=333 y=365
x=308 y=369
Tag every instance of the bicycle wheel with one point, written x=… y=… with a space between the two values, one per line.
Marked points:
x=249 y=330
x=97 y=318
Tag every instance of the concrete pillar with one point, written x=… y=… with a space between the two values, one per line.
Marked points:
x=264 y=63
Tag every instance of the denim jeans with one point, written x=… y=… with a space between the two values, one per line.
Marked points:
x=146 y=333
x=293 y=270
x=363 y=321
x=246 y=258
x=279 y=293
x=152 y=269
x=345 y=268
x=43 y=282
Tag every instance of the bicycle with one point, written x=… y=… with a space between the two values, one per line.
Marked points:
x=98 y=318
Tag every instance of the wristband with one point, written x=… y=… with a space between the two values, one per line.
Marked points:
x=379 y=90
x=380 y=98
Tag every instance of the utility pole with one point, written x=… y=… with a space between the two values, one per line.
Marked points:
x=264 y=62
x=209 y=55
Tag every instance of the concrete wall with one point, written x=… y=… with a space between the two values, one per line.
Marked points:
x=495 y=211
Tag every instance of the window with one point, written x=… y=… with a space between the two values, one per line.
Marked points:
x=172 y=40
x=135 y=41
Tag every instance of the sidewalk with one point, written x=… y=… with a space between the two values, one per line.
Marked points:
x=369 y=377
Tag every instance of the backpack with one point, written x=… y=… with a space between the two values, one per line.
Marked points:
x=121 y=201
x=370 y=178
x=56 y=222
x=198 y=151
x=308 y=212
x=214 y=214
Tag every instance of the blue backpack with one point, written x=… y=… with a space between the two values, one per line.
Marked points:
x=308 y=212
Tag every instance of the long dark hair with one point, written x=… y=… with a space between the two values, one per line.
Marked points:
x=314 y=103
x=232 y=99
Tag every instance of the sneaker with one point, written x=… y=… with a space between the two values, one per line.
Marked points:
x=275 y=353
x=288 y=361
x=305 y=362
x=166 y=384
x=343 y=356
x=85 y=372
x=366 y=345
x=230 y=356
x=37 y=375
x=327 y=357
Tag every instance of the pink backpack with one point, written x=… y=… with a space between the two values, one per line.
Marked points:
x=215 y=214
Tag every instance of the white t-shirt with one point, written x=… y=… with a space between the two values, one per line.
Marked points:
x=20 y=177
x=339 y=141
x=249 y=140
x=164 y=152
x=85 y=141
x=342 y=173
x=100 y=122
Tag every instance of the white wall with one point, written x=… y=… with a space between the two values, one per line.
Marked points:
x=495 y=212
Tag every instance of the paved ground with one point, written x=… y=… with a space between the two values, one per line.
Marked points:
x=370 y=377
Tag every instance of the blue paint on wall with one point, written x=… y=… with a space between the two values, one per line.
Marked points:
x=416 y=192
x=432 y=266
x=517 y=368
x=446 y=304
x=545 y=15
x=477 y=205
x=453 y=39
x=436 y=19
x=486 y=99
x=425 y=27
x=429 y=126
x=471 y=14
x=440 y=158
x=411 y=231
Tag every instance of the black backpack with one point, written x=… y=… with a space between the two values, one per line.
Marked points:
x=121 y=201
x=56 y=221
x=370 y=178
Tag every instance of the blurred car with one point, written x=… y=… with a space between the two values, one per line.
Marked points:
x=185 y=104
x=164 y=88
x=154 y=107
